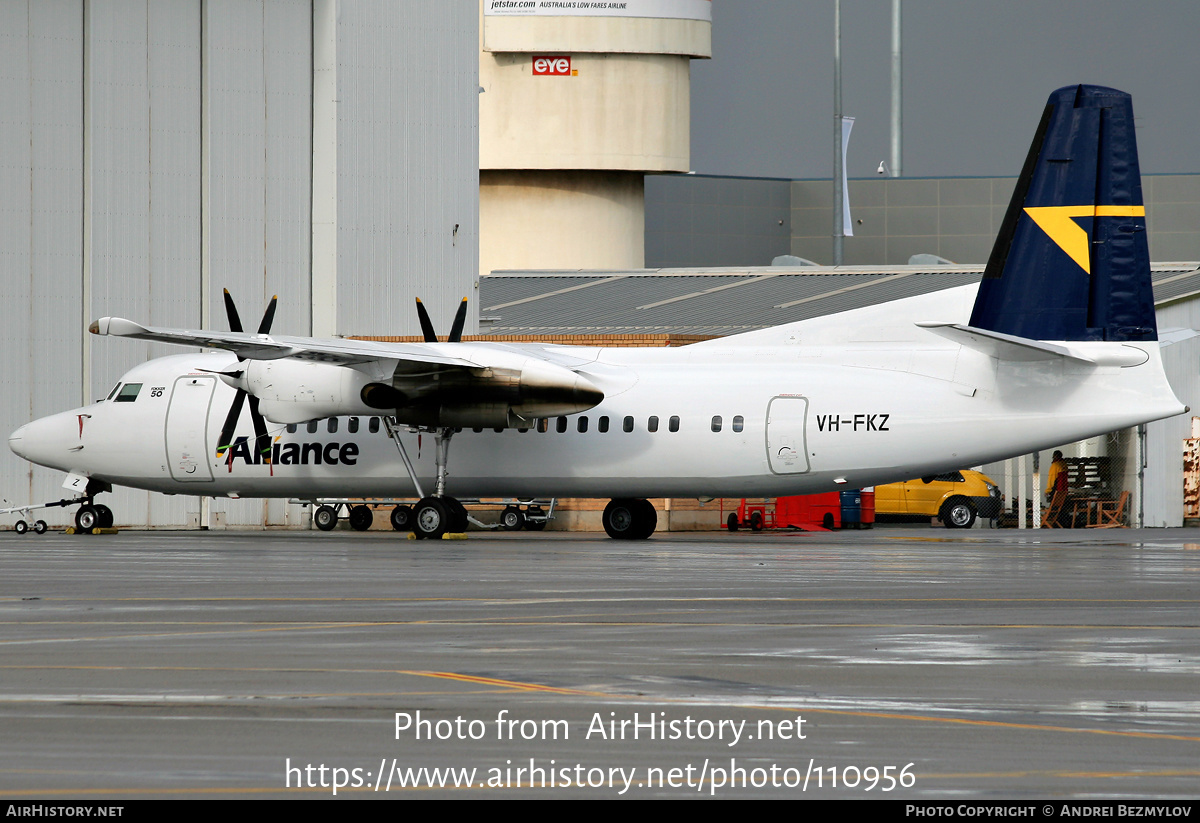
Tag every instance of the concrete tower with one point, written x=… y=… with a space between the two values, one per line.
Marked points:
x=577 y=102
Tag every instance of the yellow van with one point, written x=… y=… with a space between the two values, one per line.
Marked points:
x=956 y=498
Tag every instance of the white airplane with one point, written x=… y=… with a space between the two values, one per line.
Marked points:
x=1057 y=344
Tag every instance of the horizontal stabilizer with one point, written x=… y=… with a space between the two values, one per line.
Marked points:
x=1023 y=349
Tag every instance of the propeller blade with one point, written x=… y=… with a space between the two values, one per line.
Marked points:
x=426 y=325
x=262 y=440
x=231 y=419
x=460 y=320
x=268 y=316
x=235 y=322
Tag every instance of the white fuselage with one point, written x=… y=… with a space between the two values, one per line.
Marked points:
x=802 y=408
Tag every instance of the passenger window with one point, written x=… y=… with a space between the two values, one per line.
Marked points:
x=332 y=425
x=543 y=424
x=478 y=430
x=373 y=426
x=628 y=426
x=498 y=430
x=737 y=423
x=652 y=423
x=128 y=393
x=291 y=427
x=602 y=424
x=312 y=426
x=352 y=425
x=673 y=423
x=582 y=425
x=561 y=425
x=716 y=423
x=522 y=430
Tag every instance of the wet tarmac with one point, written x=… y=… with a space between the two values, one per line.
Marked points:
x=893 y=663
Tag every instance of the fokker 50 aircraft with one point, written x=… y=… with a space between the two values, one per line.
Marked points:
x=1060 y=344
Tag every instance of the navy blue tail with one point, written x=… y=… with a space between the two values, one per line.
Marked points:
x=1071 y=260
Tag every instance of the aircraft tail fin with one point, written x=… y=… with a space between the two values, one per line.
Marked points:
x=1071 y=260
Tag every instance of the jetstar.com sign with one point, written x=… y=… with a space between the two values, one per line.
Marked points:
x=670 y=9
x=550 y=64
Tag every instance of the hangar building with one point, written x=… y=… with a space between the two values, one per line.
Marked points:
x=152 y=153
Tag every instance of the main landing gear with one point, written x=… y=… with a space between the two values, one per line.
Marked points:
x=436 y=514
x=629 y=519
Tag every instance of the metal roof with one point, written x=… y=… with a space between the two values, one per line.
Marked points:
x=724 y=301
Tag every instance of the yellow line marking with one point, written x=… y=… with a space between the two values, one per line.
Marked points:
x=508 y=684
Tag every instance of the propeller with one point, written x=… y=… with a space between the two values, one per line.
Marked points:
x=460 y=320
x=262 y=441
x=385 y=397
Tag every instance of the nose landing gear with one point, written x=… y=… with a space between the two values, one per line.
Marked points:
x=93 y=516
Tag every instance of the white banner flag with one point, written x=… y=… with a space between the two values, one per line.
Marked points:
x=847 y=225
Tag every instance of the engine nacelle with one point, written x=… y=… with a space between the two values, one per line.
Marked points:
x=295 y=391
x=509 y=394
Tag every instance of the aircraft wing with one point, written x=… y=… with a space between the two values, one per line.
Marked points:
x=295 y=379
x=268 y=347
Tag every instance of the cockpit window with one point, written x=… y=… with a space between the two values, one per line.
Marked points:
x=114 y=391
x=128 y=393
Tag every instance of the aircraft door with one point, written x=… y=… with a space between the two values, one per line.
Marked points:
x=187 y=428
x=787 y=450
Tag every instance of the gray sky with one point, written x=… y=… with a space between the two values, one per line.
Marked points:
x=976 y=76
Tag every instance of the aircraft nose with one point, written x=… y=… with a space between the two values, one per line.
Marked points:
x=45 y=441
x=16 y=442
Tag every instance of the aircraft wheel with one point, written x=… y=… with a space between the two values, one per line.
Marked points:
x=647 y=519
x=87 y=518
x=106 y=516
x=618 y=519
x=626 y=519
x=756 y=521
x=20 y=527
x=732 y=522
x=40 y=527
x=402 y=517
x=431 y=518
x=958 y=513
x=512 y=519
x=361 y=518
x=458 y=514
x=326 y=518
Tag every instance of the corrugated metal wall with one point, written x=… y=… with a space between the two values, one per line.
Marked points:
x=141 y=185
x=41 y=161
x=405 y=180
x=155 y=151
x=258 y=148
